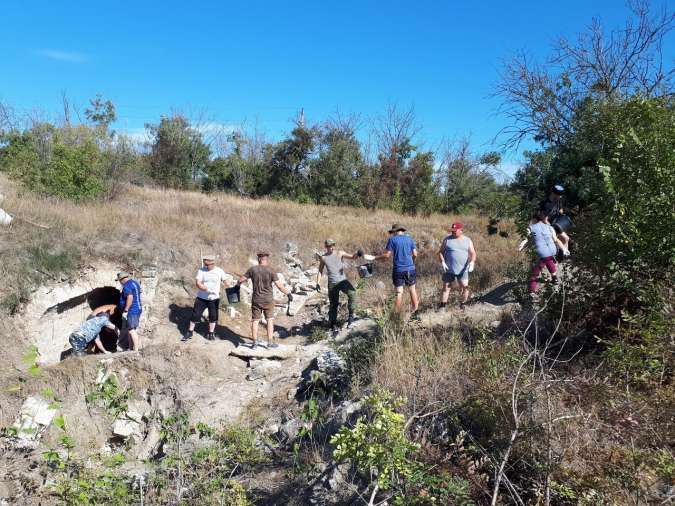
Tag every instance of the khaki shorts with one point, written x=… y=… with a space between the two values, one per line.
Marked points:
x=258 y=309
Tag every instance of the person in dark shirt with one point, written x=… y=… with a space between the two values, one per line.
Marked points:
x=264 y=278
x=552 y=208
x=403 y=250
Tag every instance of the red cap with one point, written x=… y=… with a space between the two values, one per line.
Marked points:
x=456 y=226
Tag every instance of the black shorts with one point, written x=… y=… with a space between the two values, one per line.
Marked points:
x=407 y=278
x=201 y=305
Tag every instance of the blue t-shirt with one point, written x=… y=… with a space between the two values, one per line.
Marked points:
x=402 y=247
x=131 y=287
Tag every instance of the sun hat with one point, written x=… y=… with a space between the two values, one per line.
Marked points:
x=456 y=226
x=396 y=227
x=329 y=242
x=263 y=254
x=121 y=275
x=208 y=256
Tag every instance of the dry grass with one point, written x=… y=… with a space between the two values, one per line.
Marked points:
x=172 y=227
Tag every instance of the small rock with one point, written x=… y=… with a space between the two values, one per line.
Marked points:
x=379 y=285
x=34 y=417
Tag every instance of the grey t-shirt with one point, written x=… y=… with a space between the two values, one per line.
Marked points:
x=334 y=267
x=456 y=253
x=542 y=234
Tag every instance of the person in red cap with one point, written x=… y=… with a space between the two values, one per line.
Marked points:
x=458 y=258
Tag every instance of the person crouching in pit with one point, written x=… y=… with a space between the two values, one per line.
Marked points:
x=208 y=281
x=89 y=331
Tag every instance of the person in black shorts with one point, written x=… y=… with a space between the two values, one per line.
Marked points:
x=208 y=282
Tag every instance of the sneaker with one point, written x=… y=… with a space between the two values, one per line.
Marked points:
x=554 y=280
x=415 y=316
x=79 y=353
x=187 y=336
x=211 y=336
x=334 y=331
x=273 y=345
x=462 y=305
x=442 y=306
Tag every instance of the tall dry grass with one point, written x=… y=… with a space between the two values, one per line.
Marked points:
x=172 y=228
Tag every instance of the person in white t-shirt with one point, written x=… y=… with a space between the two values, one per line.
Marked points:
x=208 y=282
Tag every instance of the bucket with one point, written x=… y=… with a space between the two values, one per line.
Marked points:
x=232 y=294
x=365 y=270
x=562 y=223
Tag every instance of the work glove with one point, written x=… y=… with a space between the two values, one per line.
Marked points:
x=565 y=252
x=317 y=287
x=359 y=252
x=290 y=297
x=125 y=314
x=444 y=266
x=522 y=245
x=472 y=265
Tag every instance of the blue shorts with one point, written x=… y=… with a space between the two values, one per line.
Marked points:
x=78 y=341
x=407 y=278
x=133 y=321
x=462 y=277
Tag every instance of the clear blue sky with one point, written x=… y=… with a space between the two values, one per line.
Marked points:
x=262 y=61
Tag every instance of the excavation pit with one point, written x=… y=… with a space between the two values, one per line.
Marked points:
x=55 y=311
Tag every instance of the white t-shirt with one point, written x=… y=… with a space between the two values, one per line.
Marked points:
x=212 y=279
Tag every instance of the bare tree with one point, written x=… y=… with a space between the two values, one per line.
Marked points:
x=394 y=128
x=540 y=100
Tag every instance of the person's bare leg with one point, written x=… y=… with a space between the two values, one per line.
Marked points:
x=445 y=295
x=254 y=331
x=135 y=341
x=212 y=327
x=465 y=291
x=191 y=327
x=414 y=301
x=399 y=299
x=270 y=330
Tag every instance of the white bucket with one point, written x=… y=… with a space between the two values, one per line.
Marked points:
x=5 y=219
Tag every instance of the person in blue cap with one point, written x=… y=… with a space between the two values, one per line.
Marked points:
x=130 y=306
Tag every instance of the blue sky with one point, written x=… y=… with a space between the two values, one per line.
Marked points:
x=259 y=62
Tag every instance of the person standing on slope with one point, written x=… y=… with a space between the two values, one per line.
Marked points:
x=404 y=252
x=458 y=257
x=208 y=281
x=552 y=207
x=546 y=244
x=130 y=306
x=262 y=301
x=333 y=262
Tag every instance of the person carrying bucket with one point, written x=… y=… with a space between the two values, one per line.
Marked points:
x=208 y=280
x=546 y=244
x=264 y=279
x=552 y=207
x=458 y=258
x=333 y=262
x=403 y=250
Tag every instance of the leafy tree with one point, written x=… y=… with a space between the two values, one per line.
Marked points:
x=178 y=153
x=101 y=112
x=334 y=175
x=289 y=164
x=418 y=185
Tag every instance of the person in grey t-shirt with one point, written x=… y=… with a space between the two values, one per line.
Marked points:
x=458 y=257
x=332 y=262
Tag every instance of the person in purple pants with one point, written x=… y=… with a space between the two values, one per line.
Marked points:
x=546 y=245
